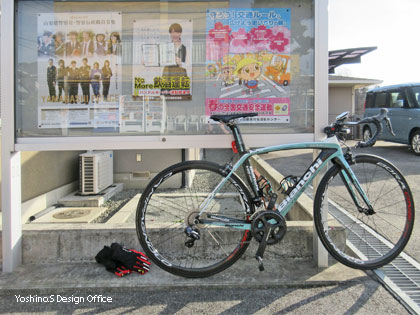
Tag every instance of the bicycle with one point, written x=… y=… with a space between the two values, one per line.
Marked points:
x=363 y=207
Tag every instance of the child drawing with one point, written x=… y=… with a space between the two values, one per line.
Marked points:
x=227 y=74
x=248 y=71
x=211 y=71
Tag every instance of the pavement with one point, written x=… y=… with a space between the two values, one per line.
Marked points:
x=364 y=297
x=287 y=286
x=244 y=273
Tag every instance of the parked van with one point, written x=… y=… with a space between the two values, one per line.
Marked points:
x=403 y=104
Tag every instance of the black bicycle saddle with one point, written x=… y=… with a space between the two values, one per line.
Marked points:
x=227 y=118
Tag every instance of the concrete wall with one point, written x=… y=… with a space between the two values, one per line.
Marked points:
x=341 y=99
x=137 y=174
x=45 y=171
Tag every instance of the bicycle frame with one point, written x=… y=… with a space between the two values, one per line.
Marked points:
x=330 y=151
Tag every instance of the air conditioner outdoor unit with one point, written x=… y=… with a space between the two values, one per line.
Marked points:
x=96 y=171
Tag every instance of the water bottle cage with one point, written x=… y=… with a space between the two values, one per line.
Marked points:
x=288 y=183
x=265 y=187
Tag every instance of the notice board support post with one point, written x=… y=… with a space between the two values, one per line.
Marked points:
x=320 y=254
x=11 y=161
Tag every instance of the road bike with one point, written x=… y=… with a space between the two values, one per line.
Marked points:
x=197 y=218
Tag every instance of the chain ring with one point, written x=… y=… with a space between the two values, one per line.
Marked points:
x=277 y=224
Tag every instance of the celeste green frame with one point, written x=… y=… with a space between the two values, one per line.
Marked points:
x=330 y=146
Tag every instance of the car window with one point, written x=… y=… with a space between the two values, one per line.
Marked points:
x=370 y=100
x=380 y=100
x=415 y=90
x=398 y=99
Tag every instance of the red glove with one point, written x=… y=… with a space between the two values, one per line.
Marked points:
x=121 y=271
x=130 y=258
x=104 y=257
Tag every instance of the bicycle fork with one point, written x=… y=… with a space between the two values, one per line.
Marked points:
x=348 y=177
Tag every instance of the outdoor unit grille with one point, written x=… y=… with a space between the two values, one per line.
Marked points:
x=96 y=171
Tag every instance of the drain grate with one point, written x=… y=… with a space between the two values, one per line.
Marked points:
x=401 y=276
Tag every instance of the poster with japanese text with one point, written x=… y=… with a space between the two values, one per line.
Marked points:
x=248 y=63
x=79 y=69
x=162 y=59
x=142 y=114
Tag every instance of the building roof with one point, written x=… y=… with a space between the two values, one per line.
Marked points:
x=342 y=81
x=346 y=56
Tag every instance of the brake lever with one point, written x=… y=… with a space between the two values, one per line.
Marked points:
x=389 y=125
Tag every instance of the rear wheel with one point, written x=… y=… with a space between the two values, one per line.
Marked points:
x=357 y=237
x=415 y=142
x=167 y=224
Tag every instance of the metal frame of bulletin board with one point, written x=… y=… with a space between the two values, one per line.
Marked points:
x=12 y=146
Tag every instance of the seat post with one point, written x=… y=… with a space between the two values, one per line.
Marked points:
x=240 y=145
x=249 y=172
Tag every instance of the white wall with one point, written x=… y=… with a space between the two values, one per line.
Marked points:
x=340 y=100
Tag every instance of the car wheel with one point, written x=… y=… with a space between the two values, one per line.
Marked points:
x=415 y=142
x=367 y=135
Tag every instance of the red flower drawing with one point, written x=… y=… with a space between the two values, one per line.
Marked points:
x=261 y=35
x=279 y=42
x=241 y=42
x=220 y=33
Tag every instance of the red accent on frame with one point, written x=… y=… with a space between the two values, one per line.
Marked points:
x=234 y=147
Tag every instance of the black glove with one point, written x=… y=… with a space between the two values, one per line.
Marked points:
x=104 y=257
x=130 y=258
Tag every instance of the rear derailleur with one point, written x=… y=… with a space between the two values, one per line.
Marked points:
x=193 y=235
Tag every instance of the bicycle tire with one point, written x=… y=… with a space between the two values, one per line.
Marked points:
x=371 y=240
x=163 y=213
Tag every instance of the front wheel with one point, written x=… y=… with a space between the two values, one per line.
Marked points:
x=174 y=235
x=356 y=236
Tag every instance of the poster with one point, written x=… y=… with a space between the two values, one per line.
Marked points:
x=79 y=69
x=162 y=59
x=248 y=63
x=131 y=117
x=142 y=114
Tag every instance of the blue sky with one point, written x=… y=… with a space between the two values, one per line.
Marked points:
x=391 y=25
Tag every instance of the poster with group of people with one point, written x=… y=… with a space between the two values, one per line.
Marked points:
x=248 y=63
x=79 y=69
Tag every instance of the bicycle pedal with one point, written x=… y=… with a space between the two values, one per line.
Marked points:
x=260 y=263
x=190 y=243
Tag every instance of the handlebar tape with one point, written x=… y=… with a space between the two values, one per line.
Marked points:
x=376 y=120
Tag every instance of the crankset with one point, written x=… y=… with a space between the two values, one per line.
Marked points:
x=268 y=228
x=274 y=221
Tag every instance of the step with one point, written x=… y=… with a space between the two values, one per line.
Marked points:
x=76 y=200
x=80 y=242
x=43 y=278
